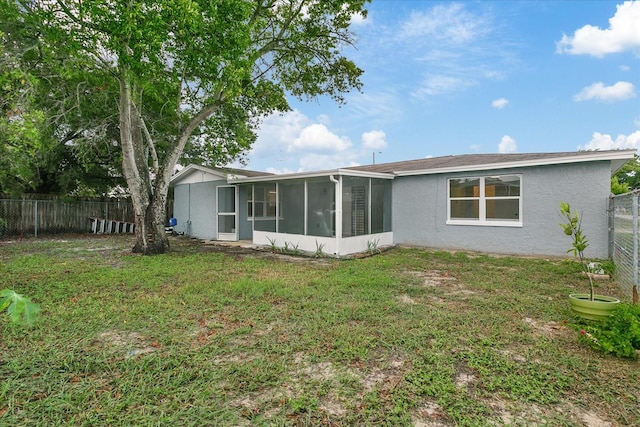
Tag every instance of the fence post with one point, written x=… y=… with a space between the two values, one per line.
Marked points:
x=635 y=248
x=611 y=223
x=35 y=219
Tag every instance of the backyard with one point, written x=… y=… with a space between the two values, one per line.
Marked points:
x=222 y=335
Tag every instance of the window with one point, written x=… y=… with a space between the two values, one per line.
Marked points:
x=261 y=201
x=355 y=206
x=487 y=200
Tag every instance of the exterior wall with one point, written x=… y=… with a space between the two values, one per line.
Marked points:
x=420 y=211
x=181 y=207
x=330 y=245
x=194 y=208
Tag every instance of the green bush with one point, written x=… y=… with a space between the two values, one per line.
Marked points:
x=619 y=334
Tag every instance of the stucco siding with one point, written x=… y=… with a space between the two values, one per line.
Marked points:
x=420 y=211
x=196 y=203
x=181 y=200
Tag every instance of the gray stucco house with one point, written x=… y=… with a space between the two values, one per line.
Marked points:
x=499 y=203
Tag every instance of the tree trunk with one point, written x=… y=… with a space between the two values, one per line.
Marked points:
x=152 y=239
x=149 y=207
x=150 y=202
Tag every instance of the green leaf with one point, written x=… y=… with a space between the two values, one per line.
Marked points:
x=19 y=308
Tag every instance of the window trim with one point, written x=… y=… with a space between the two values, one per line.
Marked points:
x=482 y=202
x=265 y=205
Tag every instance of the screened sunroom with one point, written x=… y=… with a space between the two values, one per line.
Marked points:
x=339 y=212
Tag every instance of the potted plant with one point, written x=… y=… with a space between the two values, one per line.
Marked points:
x=586 y=305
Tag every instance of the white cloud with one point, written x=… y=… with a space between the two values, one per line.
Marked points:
x=358 y=19
x=622 y=34
x=277 y=130
x=317 y=161
x=450 y=22
x=317 y=137
x=454 y=46
x=475 y=147
x=374 y=140
x=507 y=145
x=437 y=85
x=381 y=107
x=291 y=142
x=606 y=142
x=499 y=103
x=324 y=119
x=598 y=91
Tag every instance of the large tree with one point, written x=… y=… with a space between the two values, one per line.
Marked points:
x=57 y=134
x=195 y=71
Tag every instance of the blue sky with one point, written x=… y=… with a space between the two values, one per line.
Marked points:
x=447 y=78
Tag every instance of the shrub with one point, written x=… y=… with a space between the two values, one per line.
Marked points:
x=619 y=334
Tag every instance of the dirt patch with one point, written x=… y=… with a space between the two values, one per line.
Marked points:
x=442 y=281
x=383 y=374
x=406 y=299
x=548 y=329
x=430 y=414
x=129 y=344
x=532 y=414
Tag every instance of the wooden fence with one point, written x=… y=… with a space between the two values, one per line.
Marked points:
x=31 y=217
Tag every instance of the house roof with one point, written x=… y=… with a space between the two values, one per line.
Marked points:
x=473 y=162
x=197 y=173
x=426 y=166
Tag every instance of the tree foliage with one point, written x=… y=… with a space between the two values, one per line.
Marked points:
x=181 y=73
x=53 y=129
x=627 y=178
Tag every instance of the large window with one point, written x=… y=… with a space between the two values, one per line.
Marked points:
x=261 y=202
x=308 y=206
x=261 y=206
x=321 y=211
x=366 y=206
x=291 y=212
x=486 y=200
x=355 y=206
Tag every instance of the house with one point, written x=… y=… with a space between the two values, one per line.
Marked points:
x=206 y=206
x=500 y=203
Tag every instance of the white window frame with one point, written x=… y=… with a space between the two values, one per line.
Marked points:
x=264 y=214
x=482 y=202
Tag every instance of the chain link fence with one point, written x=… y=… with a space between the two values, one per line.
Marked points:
x=34 y=217
x=623 y=240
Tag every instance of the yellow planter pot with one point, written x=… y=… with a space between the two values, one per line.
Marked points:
x=598 y=309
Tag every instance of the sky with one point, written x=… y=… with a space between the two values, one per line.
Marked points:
x=448 y=78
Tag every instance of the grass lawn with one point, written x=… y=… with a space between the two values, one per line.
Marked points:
x=202 y=337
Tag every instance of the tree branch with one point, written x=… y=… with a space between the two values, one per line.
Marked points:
x=150 y=144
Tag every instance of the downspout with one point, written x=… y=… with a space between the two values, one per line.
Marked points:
x=338 y=209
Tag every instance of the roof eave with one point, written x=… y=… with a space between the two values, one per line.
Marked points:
x=617 y=158
x=188 y=170
x=304 y=175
